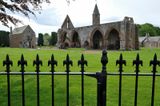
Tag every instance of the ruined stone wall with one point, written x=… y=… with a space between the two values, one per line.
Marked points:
x=127 y=33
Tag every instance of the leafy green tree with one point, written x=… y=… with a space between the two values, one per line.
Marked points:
x=157 y=30
x=4 y=39
x=46 y=38
x=40 y=39
x=53 y=39
x=148 y=28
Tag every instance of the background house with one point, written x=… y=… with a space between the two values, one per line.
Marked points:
x=23 y=37
x=148 y=41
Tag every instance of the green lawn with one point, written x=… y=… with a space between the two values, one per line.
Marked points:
x=93 y=57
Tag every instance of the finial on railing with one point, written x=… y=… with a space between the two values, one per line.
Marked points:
x=22 y=62
x=37 y=62
x=104 y=60
x=121 y=62
x=154 y=62
x=7 y=63
x=52 y=62
x=67 y=62
x=137 y=62
x=82 y=62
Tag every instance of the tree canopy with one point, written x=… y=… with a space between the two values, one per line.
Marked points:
x=53 y=39
x=148 y=28
x=4 y=39
x=46 y=39
x=40 y=39
x=24 y=7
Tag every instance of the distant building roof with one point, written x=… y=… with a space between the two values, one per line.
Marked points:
x=141 y=39
x=154 y=39
x=148 y=38
x=19 y=30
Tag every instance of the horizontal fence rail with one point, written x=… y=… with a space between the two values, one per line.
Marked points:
x=101 y=77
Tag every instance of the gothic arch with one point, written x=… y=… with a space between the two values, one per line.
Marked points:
x=63 y=40
x=86 y=44
x=75 y=40
x=113 y=40
x=96 y=39
x=63 y=37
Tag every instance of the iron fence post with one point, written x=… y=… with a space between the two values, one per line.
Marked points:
x=154 y=62
x=101 y=88
x=137 y=63
x=102 y=81
x=8 y=63
x=67 y=62
x=52 y=62
x=120 y=62
x=37 y=62
x=22 y=62
x=82 y=62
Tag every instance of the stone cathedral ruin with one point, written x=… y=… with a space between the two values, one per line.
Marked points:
x=121 y=35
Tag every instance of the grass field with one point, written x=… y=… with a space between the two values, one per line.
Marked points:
x=93 y=57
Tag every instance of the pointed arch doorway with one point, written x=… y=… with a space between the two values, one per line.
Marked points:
x=113 y=40
x=97 y=40
x=75 y=40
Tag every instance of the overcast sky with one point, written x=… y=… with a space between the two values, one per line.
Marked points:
x=80 y=12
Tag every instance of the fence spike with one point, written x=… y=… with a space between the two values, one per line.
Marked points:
x=137 y=62
x=37 y=62
x=22 y=62
x=154 y=62
x=67 y=62
x=82 y=62
x=7 y=63
x=121 y=62
x=52 y=62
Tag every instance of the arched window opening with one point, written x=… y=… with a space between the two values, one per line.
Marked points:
x=86 y=44
x=75 y=40
x=97 y=40
x=63 y=37
x=113 y=40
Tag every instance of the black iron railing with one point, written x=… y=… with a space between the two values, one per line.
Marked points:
x=100 y=76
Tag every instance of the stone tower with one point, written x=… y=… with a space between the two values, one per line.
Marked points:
x=96 y=16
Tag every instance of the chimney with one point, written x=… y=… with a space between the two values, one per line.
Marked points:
x=10 y=30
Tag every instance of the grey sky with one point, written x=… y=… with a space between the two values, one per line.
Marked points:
x=80 y=12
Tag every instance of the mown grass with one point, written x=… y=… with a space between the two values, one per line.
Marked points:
x=93 y=57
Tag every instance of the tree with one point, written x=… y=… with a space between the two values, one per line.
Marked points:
x=148 y=28
x=24 y=7
x=46 y=38
x=40 y=39
x=157 y=30
x=53 y=39
x=4 y=39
